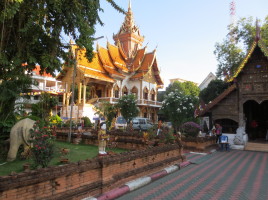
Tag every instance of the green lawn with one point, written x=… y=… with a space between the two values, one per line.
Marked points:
x=77 y=153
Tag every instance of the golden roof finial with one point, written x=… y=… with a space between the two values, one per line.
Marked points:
x=129 y=5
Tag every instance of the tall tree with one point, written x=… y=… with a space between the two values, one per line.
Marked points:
x=179 y=108
x=229 y=53
x=31 y=32
x=187 y=88
x=214 y=89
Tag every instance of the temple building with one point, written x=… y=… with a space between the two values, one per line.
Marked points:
x=122 y=68
x=245 y=102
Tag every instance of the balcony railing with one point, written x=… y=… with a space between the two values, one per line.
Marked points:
x=48 y=89
x=139 y=102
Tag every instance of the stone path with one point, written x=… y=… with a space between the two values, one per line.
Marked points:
x=234 y=175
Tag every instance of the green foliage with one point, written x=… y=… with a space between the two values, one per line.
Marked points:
x=214 y=89
x=190 y=129
x=43 y=108
x=108 y=111
x=179 y=108
x=87 y=122
x=229 y=56
x=78 y=152
x=55 y=120
x=5 y=127
x=169 y=137
x=127 y=105
x=161 y=95
x=187 y=88
x=9 y=92
x=31 y=33
x=42 y=139
x=229 y=53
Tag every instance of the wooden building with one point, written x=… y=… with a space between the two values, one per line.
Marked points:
x=246 y=99
x=119 y=69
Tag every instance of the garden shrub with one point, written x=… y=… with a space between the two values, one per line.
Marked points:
x=190 y=129
x=55 y=119
x=87 y=122
x=42 y=139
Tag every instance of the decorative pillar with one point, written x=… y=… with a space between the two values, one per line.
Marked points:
x=79 y=92
x=68 y=94
x=141 y=91
x=112 y=91
x=84 y=93
x=64 y=96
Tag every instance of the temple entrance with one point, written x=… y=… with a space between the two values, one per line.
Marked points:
x=256 y=119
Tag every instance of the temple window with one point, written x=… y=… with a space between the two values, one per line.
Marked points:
x=134 y=91
x=116 y=91
x=153 y=95
x=125 y=91
x=145 y=93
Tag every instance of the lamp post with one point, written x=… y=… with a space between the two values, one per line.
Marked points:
x=73 y=91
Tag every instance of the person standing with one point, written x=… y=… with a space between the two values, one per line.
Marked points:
x=218 y=132
x=254 y=129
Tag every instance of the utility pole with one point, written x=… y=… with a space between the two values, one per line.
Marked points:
x=233 y=21
x=72 y=100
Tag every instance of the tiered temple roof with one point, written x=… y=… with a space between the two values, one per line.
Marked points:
x=126 y=58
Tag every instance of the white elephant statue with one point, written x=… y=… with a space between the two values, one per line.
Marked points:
x=19 y=134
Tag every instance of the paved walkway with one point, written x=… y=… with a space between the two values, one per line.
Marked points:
x=235 y=175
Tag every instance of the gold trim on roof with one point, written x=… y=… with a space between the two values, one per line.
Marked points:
x=241 y=66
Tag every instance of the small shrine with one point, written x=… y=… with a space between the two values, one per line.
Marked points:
x=246 y=99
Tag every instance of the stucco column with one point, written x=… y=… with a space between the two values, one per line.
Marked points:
x=84 y=93
x=64 y=96
x=79 y=92
x=67 y=94
x=141 y=90
x=112 y=91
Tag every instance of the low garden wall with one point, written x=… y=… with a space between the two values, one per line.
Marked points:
x=199 y=144
x=88 y=178
x=118 y=138
x=135 y=141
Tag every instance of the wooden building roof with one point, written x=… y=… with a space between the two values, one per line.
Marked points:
x=245 y=60
x=206 y=108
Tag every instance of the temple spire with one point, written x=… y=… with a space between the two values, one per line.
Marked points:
x=129 y=35
x=129 y=4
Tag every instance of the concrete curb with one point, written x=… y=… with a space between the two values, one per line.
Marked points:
x=138 y=183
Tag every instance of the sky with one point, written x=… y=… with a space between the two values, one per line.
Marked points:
x=184 y=32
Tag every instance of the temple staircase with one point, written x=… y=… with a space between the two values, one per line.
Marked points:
x=257 y=146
